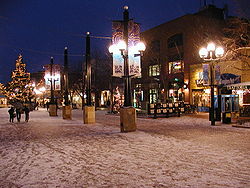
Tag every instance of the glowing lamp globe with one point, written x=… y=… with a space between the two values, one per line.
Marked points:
x=211 y=47
x=122 y=45
x=112 y=48
x=203 y=53
x=219 y=52
x=140 y=46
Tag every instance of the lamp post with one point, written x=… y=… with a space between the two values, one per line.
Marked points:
x=89 y=109
x=126 y=50
x=66 y=112
x=66 y=78
x=52 y=78
x=52 y=99
x=88 y=70
x=211 y=53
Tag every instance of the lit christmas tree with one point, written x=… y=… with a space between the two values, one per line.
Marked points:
x=20 y=88
x=2 y=88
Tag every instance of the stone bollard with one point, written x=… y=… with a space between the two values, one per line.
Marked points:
x=53 y=110
x=128 y=119
x=89 y=114
x=67 y=112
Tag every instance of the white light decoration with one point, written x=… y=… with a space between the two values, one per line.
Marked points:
x=42 y=89
x=219 y=52
x=133 y=50
x=211 y=46
x=112 y=48
x=140 y=46
x=47 y=76
x=203 y=53
x=56 y=77
x=37 y=92
x=121 y=45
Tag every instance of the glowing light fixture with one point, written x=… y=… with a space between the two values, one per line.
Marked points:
x=203 y=53
x=219 y=52
x=210 y=47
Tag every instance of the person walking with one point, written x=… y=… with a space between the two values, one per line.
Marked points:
x=18 y=113
x=27 y=113
x=12 y=114
x=47 y=105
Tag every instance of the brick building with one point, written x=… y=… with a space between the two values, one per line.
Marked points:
x=172 y=48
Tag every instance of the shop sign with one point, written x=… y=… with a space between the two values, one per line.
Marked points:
x=227 y=79
x=199 y=83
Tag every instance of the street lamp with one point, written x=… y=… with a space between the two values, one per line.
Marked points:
x=137 y=50
x=89 y=108
x=211 y=53
x=52 y=78
x=134 y=48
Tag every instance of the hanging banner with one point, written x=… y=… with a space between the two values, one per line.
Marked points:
x=134 y=62
x=54 y=79
x=217 y=79
x=118 y=61
x=206 y=75
x=118 y=64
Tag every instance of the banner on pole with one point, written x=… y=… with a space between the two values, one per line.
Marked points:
x=134 y=62
x=206 y=75
x=217 y=79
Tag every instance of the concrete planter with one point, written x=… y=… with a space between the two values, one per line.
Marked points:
x=67 y=112
x=128 y=119
x=89 y=115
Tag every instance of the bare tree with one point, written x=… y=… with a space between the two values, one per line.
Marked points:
x=237 y=39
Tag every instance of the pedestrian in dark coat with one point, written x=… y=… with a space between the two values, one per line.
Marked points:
x=12 y=114
x=18 y=114
x=27 y=113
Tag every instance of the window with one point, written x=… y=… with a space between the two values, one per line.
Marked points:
x=155 y=46
x=153 y=95
x=154 y=70
x=175 y=40
x=176 y=67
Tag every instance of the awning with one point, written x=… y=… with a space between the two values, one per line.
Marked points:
x=239 y=86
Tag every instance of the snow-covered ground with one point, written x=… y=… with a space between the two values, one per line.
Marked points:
x=174 y=152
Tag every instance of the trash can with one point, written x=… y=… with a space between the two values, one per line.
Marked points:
x=217 y=114
x=226 y=117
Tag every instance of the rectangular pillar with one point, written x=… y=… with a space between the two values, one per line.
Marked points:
x=128 y=119
x=89 y=114
x=52 y=110
x=67 y=112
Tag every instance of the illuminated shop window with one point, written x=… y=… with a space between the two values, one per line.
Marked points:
x=154 y=70
x=176 y=67
x=153 y=95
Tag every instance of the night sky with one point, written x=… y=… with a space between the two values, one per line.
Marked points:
x=39 y=29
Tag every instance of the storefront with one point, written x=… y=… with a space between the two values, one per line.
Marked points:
x=3 y=101
x=138 y=96
x=243 y=91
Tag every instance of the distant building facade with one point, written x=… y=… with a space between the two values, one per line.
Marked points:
x=172 y=48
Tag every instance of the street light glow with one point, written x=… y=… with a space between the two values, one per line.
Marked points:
x=211 y=46
x=122 y=45
x=42 y=89
x=219 y=52
x=112 y=48
x=140 y=46
x=203 y=53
